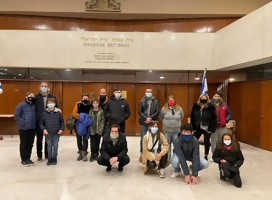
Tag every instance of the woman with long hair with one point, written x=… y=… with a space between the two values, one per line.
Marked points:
x=230 y=158
x=204 y=121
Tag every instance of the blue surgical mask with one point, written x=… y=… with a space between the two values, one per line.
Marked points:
x=50 y=105
x=227 y=142
x=148 y=94
x=186 y=137
x=117 y=95
x=44 y=89
x=154 y=130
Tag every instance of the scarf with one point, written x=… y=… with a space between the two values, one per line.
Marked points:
x=150 y=142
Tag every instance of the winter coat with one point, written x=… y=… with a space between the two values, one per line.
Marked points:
x=223 y=114
x=187 y=149
x=117 y=111
x=98 y=122
x=148 y=155
x=83 y=125
x=81 y=108
x=52 y=121
x=119 y=150
x=235 y=159
x=25 y=116
x=142 y=110
x=208 y=117
x=39 y=103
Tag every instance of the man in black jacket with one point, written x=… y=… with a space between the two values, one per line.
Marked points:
x=117 y=110
x=114 y=149
x=186 y=148
x=148 y=111
x=40 y=104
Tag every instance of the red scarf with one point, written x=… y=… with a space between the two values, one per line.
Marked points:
x=228 y=147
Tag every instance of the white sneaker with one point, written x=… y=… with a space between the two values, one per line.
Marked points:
x=175 y=174
x=211 y=160
x=162 y=173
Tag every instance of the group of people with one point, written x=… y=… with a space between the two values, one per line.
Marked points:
x=105 y=117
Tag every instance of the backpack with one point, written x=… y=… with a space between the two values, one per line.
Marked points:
x=70 y=122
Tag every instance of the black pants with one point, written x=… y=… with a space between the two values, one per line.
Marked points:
x=39 y=143
x=235 y=176
x=95 y=142
x=122 y=126
x=122 y=162
x=26 y=143
x=162 y=163
x=207 y=136
x=82 y=143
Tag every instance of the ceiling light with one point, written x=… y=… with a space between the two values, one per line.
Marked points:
x=231 y=79
x=6 y=69
x=68 y=70
x=197 y=78
x=19 y=74
x=161 y=77
x=150 y=70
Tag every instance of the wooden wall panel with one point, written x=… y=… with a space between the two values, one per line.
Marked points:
x=93 y=88
x=13 y=22
x=244 y=101
x=265 y=116
x=71 y=95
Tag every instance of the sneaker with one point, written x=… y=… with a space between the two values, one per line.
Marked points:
x=92 y=159
x=120 y=169
x=206 y=157
x=175 y=174
x=161 y=173
x=108 y=169
x=31 y=163
x=39 y=160
x=25 y=163
x=49 y=162
x=95 y=158
x=54 y=161
x=211 y=160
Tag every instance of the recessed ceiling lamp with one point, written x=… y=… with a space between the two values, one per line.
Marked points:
x=68 y=70
x=197 y=78
x=161 y=77
x=231 y=79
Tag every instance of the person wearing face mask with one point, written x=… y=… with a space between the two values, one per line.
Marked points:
x=148 y=110
x=41 y=98
x=230 y=158
x=83 y=106
x=103 y=100
x=153 y=155
x=117 y=109
x=203 y=119
x=223 y=114
x=26 y=120
x=52 y=125
x=114 y=150
x=186 y=148
x=171 y=115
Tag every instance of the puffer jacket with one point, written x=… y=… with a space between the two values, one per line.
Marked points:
x=25 y=116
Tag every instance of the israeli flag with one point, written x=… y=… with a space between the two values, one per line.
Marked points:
x=204 y=87
x=1 y=90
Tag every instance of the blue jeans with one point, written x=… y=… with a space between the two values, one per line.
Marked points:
x=170 y=137
x=144 y=129
x=203 y=164
x=52 y=145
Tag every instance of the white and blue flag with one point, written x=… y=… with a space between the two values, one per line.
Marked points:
x=1 y=90
x=204 y=87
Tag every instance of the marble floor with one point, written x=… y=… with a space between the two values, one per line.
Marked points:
x=72 y=179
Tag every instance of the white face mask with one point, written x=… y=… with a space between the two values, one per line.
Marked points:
x=148 y=94
x=114 y=136
x=51 y=105
x=227 y=142
x=117 y=95
x=154 y=130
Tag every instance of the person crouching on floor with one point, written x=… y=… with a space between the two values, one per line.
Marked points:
x=230 y=158
x=52 y=125
x=114 y=149
x=186 y=148
x=153 y=156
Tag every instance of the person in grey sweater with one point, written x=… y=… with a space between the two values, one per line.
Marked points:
x=52 y=125
x=171 y=115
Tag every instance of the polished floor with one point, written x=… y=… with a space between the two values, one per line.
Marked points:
x=72 y=179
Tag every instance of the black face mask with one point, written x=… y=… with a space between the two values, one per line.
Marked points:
x=102 y=98
x=31 y=99
x=203 y=101
x=85 y=101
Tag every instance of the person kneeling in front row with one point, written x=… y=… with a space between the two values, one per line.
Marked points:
x=186 y=148
x=114 y=149
x=153 y=156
